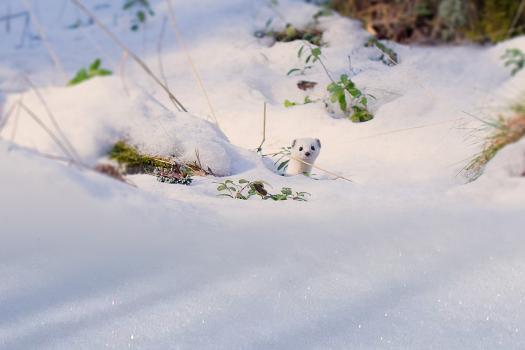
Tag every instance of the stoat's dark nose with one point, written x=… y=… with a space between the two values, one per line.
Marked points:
x=307 y=154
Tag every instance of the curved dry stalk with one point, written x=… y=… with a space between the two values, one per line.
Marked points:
x=182 y=43
x=159 y=54
x=322 y=169
x=52 y=118
x=47 y=130
x=136 y=58
x=43 y=35
x=259 y=149
x=516 y=18
x=6 y=116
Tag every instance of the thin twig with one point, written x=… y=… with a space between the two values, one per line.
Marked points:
x=319 y=168
x=259 y=149
x=47 y=130
x=17 y=118
x=122 y=72
x=182 y=43
x=137 y=59
x=405 y=129
x=159 y=54
x=516 y=18
x=6 y=116
x=42 y=33
x=52 y=118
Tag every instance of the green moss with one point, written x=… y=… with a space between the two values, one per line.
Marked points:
x=134 y=161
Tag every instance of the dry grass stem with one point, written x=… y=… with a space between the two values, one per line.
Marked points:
x=137 y=59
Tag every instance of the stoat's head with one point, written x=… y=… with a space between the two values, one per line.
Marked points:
x=306 y=149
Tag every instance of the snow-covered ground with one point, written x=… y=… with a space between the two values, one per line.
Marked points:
x=408 y=256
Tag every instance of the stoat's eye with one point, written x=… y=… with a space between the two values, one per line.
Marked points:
x=300 y=148
x=312 y=148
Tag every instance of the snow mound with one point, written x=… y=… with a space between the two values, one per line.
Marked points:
x=96 y=114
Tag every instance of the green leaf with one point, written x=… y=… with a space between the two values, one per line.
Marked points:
x=300 y=52
x=104 y=72
x=243 y=181
x=95 y=65
x=289 y=104
x=342 y=103
x=316 y=52
x=293 y=70
x=141 y=15
x=283 y=165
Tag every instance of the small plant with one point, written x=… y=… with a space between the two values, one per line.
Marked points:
x=313 y=56
x=244 y=190
x=514 y=58
x=307 y=100
x=284 y=159
x=143 y=9
x=388 y=56
x=350 y=99
x=165 y=170
x=94 y=70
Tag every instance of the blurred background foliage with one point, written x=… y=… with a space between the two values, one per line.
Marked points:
x=435 y=21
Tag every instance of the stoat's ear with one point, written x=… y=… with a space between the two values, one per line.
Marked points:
x=293 y=143
x=318 y=142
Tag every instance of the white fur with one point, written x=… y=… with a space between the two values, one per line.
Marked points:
x=303 y=150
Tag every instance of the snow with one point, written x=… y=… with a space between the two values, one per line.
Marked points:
x=409 y=256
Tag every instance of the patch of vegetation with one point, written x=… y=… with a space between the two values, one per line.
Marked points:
x=388 y=56
x=313 y=56
x=244 y=190
x=142 y=10
x=307 y=100
x=504 y=131
x=94 y=70
x=514 y=58
x=135 y=162
x=350 y=99
x=283 y=159
x=434 y=21
x=290 y=33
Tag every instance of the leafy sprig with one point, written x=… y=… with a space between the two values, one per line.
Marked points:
x=244 y=190
x=93 y=70
x=514 y=58
x=350 y=99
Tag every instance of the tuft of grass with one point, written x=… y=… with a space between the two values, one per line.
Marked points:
x=504 y=131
